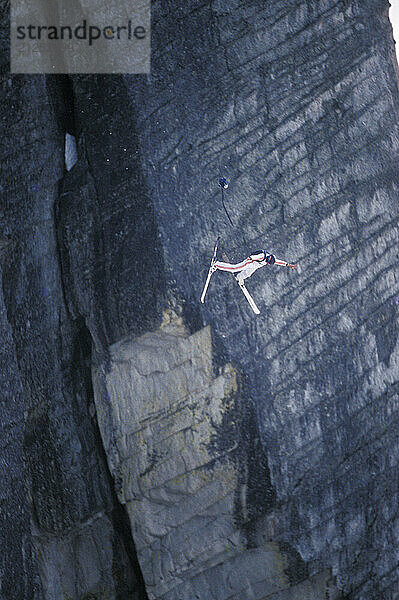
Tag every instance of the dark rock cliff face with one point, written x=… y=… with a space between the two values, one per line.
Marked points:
x=297 y=104
x=58 y=499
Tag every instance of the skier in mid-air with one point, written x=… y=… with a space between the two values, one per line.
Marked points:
x=251 y=264
x=243 y=270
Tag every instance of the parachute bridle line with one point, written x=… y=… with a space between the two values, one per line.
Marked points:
x=225 y=209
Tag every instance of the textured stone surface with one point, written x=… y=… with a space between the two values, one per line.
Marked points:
x=302 y=116
x=160 y=408
x=16 y=506
x=55 y=480
x=296 y=102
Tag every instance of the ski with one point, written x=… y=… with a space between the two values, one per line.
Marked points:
x=212 y=269
x=244 y=290
x=248 y=296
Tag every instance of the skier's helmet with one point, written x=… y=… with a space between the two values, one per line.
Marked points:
x=270 y=259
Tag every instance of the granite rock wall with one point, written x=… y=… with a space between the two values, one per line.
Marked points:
x=302 y=116
x=161 y=410
x=296 y=103
x=63 y=533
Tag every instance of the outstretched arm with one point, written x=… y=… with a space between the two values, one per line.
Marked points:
x=283 y=263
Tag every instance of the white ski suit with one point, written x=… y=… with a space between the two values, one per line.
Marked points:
x=248 y=266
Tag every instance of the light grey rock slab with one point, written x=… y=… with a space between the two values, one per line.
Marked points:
x=180 y=493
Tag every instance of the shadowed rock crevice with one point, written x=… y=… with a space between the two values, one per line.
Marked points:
x=60 y=92
x=126 y=572
x=136 y=275
x=111 y=254
x=237 y=438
